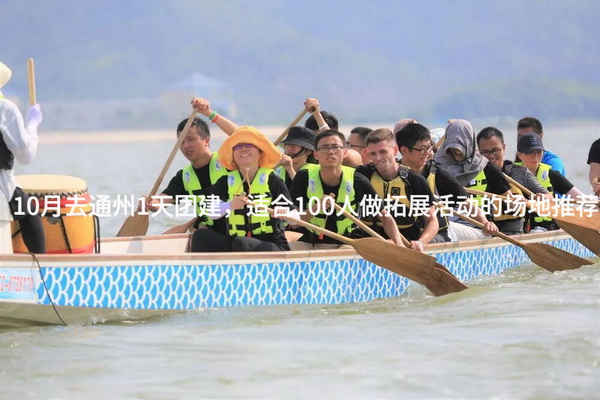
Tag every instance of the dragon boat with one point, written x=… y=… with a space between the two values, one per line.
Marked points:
x=130 y=278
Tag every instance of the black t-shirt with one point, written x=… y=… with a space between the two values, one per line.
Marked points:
x=277 y=188
x=418 y=187
x=175 y=188
x=446 y=185
x=362 y=189
x=594 y=156
x=560 y=184
x=496 y=183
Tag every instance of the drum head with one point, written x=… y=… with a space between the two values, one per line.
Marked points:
x=62 y=185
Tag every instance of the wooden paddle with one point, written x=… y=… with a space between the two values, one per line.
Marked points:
x=452 y=280
x=31 y=81
x=590 y=238
x=290 y=126
x=590 y=222
x=544 y=255
x=137 y=224
x=413 y=265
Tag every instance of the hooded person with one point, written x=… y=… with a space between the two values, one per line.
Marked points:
x=243 y=195
x=18 y=141
x=459 y=156
x=298 y=148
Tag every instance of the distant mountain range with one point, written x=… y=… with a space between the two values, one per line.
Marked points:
x=365 y=61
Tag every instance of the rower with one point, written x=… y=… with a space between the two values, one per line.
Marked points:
x=416 y=146
x=400 y=188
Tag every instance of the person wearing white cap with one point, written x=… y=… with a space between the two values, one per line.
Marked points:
x=19 y=140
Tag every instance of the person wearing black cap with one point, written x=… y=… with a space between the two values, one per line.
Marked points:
x=298 y=147
x=530 y=150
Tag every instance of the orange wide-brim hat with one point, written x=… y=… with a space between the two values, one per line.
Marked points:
x=269 y=156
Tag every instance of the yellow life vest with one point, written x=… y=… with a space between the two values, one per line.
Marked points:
x=241 y=224
x=399 y=190
x=345 y=196
x=282 y=172
x=478 y=183
x=191 y=183
x=442 y=219
x=543 y=176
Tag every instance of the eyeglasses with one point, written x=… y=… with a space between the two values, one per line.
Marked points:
x=333 y=148
x=423 y=150
x=493 y=152
x=242 y=146
x=358 y=146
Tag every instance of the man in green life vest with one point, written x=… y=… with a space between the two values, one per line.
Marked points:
x=195 y=179
x=311 y=188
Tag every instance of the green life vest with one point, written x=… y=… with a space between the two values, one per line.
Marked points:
x=282 y=172
x=344 y=197
x=241 y=224
x=191 y=183
x=478 y=183
x=543 y=176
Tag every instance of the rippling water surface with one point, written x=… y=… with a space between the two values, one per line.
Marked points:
x=524 y=334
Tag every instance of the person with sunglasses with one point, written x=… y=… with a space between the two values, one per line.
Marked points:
x=416 y=148
x=490 y=142
x=311 y=190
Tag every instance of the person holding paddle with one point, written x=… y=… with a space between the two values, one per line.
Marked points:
x=401 y=187
x=491 y=145
x=533 y=125
x=311 y=189
x=19 y=140
x=321 y=121
x=298 y=147
x=417 y=148
x=194 y=180
x=243 y=196
x=530 y=150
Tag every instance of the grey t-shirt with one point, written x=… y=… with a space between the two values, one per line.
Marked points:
x=523 y=176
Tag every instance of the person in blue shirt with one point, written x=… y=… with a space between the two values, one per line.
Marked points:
x=533 y=125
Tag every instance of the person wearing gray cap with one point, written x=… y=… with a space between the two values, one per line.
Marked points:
x=298 y=147
x=530 y=150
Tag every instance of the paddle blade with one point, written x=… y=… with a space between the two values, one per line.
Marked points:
x=588 y=237
x=411 y=264
x=552 y=258
x=443 y=281
x=135 y=225
x=591 y=222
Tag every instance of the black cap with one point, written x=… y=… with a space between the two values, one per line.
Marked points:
x=529 y=142
x=300 y=136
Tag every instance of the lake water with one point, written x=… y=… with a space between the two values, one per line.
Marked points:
x=524 y=334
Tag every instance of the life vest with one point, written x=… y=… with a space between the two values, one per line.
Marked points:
x=398 y=189
x=431 y=170
x=191 y=183
x=241 y=224
x=282 y=172
x=543 y=176
x=478 y=183
x=344 y=197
